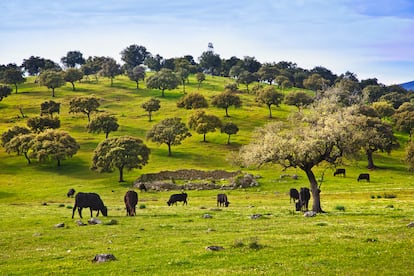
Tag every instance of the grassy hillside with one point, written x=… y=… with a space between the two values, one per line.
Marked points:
x=363 y=232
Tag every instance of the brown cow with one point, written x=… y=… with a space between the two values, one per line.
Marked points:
x=131 y=200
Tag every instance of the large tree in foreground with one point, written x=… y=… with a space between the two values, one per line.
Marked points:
x=170 y=131
x=325 y=137
x=120 y=153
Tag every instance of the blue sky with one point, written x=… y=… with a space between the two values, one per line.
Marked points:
x=369 y=38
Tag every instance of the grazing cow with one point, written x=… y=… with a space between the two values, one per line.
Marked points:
x=339 y=171
x=294 y=194
x=131 y=200
x=304 y=196
x=363 y=176
x=142 y=187
x=222 y=200
x=71 y=192
x=91 y=201
x=177 y=197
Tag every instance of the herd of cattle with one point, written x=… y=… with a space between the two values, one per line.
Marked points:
x=94 y=202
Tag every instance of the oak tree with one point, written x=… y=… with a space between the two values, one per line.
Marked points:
x=203 y=123
x=150 y=106
x=105 y=123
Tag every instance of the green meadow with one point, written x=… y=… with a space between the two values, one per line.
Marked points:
x=363 y=232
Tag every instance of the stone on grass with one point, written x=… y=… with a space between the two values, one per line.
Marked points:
x=60 y=225
x=214 y=248
x=309 y=214
x=94 y=221
x=207 y=216
x=80 y=223
x=100 y=258
x=256 y=216
x=411 y=224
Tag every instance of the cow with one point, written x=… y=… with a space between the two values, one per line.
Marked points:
x=363 y=176
x=339 y=171
x=71 y=192
x=177 y=197
x=304 y=196
x=222 y=200
x=294 y=194
x=89 y=200
x=131 y=200
x=142 y=187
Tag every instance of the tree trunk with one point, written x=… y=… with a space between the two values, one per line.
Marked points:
x=121 y=174
x=370 y=160
x=162 y=93
x=112 y=82
x=53 y=92
x=73 y=86
x=169 y=149
x=316 y=206
x=149 y=116
x=58 y=162
x=227 y=114
x=106 y=135
x=27 y=158
x=15 y=85
x=228 y=140
x=137 y=85
x=204 y=139
x=270 y=110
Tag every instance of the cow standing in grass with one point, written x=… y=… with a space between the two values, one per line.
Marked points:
x=294 y=195
x=177 y=197
x=304 y=197
x=222 y=200
x=131 y=200
x=89 y=200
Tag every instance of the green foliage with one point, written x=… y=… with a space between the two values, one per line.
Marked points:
x=136 y=74
x=192 y=101
x=340 y=208
x=55 y=145
x=105 y=123
x=85 y=105
x=229 y=128
x=150 y=106
x=269 y=96
x=203 y=123
x=40 y=123
x=225 y=100
x=170 y=131
x=52 y=79
x=72 y=75
x=4 y=91
x=163 y=80
x=298 y=98
x=123 y=152
x=49 y=107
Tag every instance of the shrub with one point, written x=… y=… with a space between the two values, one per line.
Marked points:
x=340 y=207
x=142 y=206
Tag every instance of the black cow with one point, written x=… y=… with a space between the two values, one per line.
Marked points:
x=339 y=171
x=131 y=200
x=71 y=192
x=91 y=201
x=294 y=194
x=222 y=200
x=363 y=176
x=177 y=197
x=142 y=187
x=304 y=197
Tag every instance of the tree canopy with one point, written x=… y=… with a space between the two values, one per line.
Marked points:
x=125 y=152
x=150 y=106
x=325 y=137
x=163 y=80
x=134 y=55
x=72 y=75
x=55 y=145
x=105 y=123
x=269 y=96
x=192 y=101
x=52 y=80
x=84 y=104
x=225 y=100
x=170 y=131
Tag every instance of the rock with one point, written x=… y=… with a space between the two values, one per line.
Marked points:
x=80 y=223
x=100 y=258
x=214 y=248
x=94 y=221
x=111 y=222
x=60 y=225
x=207 y=216
x=309 y=214
x=411 y=224
x=255 y=216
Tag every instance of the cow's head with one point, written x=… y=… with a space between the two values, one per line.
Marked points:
x=104 y=211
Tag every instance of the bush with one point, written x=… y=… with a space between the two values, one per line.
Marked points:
x=142 y=206
x=340 y=208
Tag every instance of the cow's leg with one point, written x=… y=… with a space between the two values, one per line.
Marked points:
x=80 y=211
x=73 y=210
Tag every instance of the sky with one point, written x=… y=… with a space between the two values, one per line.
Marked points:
x=371 y=38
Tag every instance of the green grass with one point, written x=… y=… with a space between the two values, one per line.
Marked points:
x=364 y=231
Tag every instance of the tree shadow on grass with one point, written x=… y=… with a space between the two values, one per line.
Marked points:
x=73 y=167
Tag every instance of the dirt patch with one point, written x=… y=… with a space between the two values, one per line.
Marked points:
x=195 y=180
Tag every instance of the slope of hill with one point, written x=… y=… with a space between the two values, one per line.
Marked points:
x=408 y=85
